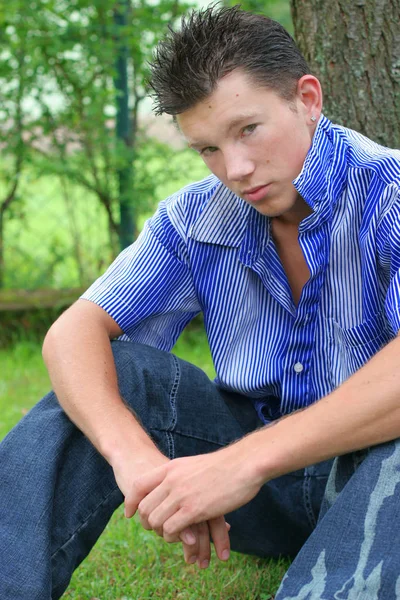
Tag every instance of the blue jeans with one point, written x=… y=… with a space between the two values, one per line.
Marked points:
x=57 y=493
x=354 y=552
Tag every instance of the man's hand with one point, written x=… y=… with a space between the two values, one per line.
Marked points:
x=196 y=538
x=193 y=490
x=198 y=547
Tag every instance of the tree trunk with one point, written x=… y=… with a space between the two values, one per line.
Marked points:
x=353 y=47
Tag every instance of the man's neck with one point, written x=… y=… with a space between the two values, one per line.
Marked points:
x=294 y=216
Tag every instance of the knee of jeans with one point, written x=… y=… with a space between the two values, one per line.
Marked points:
x=148 y=379
x=129 y=366
x=122 y=351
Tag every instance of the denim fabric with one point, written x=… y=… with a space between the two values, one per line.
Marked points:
x=58 y=493
x=353 y=554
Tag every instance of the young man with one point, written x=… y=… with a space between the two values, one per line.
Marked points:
x=291 y=251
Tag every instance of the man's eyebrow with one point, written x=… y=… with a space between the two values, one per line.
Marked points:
x=231 y=125
x=239 y=120
x=197 y=145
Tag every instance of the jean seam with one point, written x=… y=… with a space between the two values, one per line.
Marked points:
x=172 y=401
x=192 y=436
x=307 y=501
x=90 y=516
x=174 y=390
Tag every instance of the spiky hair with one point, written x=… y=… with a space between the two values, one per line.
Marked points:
x=215 y=41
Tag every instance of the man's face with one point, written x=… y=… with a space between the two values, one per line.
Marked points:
x=254 y=141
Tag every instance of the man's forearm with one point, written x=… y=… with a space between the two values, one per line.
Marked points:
x=78 y=355
x=362 y=412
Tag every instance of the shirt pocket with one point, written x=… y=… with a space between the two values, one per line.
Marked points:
x=350 y=348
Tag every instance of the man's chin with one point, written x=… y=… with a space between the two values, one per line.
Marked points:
x=265 y=208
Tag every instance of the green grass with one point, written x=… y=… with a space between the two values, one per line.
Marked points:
x=23 y=380
x=129 y=563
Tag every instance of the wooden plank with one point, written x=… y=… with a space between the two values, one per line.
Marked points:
x=18 y=300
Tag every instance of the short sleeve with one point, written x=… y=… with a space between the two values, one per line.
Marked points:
x=148 y=290
x=388 y=243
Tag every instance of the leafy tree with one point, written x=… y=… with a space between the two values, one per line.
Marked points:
x=18 y=72
x=61 y=67
x=275 y=9
x=97 y=62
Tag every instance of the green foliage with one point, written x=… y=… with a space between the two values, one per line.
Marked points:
x=81 y=63
x=58 y=100
x=58 y=237
x=275 y=9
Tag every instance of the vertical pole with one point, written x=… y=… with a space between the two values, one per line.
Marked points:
x=123 y=129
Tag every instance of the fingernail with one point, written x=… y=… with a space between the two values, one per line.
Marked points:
x=225 y=555
x=192 y=560
x=189 y=538
x=205 y=564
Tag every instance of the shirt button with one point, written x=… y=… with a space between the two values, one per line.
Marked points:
x=298 y=367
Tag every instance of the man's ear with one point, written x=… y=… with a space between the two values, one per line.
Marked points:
x=309 y=94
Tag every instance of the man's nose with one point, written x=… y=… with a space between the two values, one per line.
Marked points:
x=238 y=166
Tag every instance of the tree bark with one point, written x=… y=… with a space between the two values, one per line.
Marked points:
x=353 y=47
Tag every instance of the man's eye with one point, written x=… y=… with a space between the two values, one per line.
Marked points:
x=248 y=129
x=209 y=150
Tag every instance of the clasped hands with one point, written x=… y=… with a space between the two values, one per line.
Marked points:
x=185 y=500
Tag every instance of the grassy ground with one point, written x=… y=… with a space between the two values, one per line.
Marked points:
x=129 y=563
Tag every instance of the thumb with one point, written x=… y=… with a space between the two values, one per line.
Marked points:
x=142 y=486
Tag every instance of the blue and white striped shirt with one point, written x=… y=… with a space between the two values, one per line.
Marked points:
x=207 y=250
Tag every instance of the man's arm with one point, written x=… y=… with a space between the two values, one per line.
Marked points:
x=362 y=412
x=78 y=356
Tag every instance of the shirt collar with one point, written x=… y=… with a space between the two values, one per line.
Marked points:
x=324 y=173
x=223 y=220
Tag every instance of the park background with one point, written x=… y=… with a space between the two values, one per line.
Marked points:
x=84 y=164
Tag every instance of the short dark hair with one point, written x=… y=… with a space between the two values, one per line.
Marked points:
x=214 y=42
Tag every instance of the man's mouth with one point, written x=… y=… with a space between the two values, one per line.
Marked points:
x=256 y=193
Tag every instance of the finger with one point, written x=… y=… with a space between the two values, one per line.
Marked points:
x=148 y=505
x=204 y=554
x=171 y=540
x=188 y=536
x=141 y=488
x=190 y=551
x=173 y=519
x=162 y=506
x=145 y=524
x=220 y=537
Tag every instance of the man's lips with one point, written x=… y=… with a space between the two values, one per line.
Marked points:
x=255 y=193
